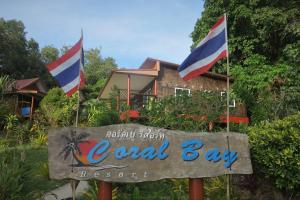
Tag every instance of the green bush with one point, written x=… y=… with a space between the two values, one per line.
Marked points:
x=99 y=114
x=175 y=189
x=275 y=150
x=184 y=112
x=39 y=140
x=59 y=110
x=43 y=171
x=4 y=111
x=104 y=118
x=270 y=91
x=16 y=132
x=11 y=124
x=13 y=174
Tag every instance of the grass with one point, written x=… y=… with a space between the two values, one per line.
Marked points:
x=37 y=182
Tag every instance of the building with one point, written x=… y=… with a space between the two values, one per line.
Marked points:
x=24 y=96
x=157 y=79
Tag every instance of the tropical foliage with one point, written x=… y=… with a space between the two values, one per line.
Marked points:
x=19 y=57
x=276 y=152
x=99 y=113
x=97 y=69
x=58 y=109
x=184 y=112
x=264 y=43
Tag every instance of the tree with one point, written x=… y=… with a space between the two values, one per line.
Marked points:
x=264 y=43
x=96 y=67
x=12 y=47
x=19 y=57
x=96 y=71
x=49 y=54
x=64 y=49
x=261 y=27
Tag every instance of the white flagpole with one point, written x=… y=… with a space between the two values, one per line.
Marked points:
x=73 y=182
x=78 y=100
x=227 y=100
x=228 y=74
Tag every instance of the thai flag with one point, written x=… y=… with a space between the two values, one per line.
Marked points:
x=211 y=49
x=68 y=69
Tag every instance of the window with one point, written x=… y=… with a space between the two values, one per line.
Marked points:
x=223 y=98
x=182 y=91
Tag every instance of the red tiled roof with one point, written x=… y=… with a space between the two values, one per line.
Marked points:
x=21 y=84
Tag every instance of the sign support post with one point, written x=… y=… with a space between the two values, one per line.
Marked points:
x=104 y=190
x=196 y=189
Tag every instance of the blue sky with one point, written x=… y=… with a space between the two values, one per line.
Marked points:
x=127 y=30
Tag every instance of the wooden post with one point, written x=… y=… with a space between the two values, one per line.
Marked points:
x=17 y=105
x=196 y=185
x=31 y=107
x=118 y=103
x=128 y=90
x=196 y=189
x=104 y=190
x=155 y=88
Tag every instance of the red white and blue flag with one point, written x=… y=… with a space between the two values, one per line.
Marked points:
x=211 y=49
x=68 y=69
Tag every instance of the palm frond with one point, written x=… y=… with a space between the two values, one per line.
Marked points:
x=67 y=153
x=73 y=134
x=82 y=136
x=77 y=149
x=64 y=150
x=66 y=138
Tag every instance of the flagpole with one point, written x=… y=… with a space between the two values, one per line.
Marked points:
x=73 y=182
x=78 y=102
x=227 y=100
x=78 y=99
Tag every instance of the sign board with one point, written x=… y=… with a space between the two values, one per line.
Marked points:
x=136 y=153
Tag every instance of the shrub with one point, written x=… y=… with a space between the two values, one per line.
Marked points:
x=275 y=151
x=11 y=124
x=59 y=110
x=99 y=114
x=40 y=139
x=43 y=171
x=4 y=111
x=184 y=112
x=92 y=192
x=16 y=132
x=176 y=189
x=40 y=123
x=5 y=82
x=13 y=174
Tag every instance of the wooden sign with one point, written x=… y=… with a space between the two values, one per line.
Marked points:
x=136 y=153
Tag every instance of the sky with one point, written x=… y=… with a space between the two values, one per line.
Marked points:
x=127 y=30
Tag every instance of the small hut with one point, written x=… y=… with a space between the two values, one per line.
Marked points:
x=24 y=96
